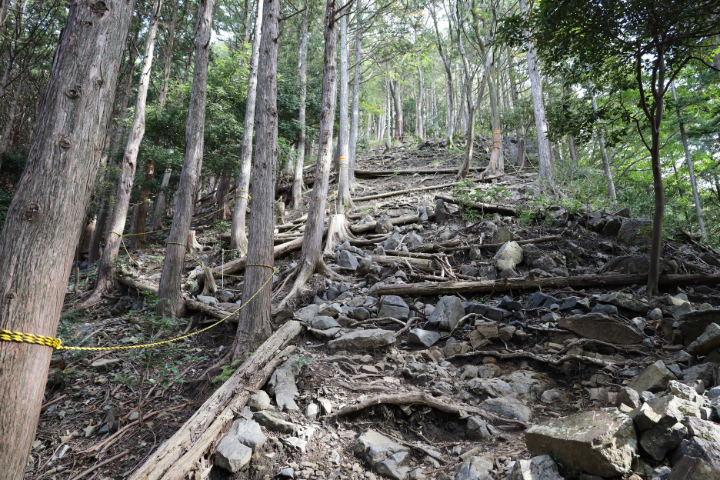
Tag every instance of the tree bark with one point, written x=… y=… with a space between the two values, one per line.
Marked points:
x=120 y=128
x=106 y=269
x=254 y=324
x=311 y=255
x=45 y=216
x=170 y=289
x=144 y=205
x=222 y=198
x=238 y=239
x=536 y=90
x=159 y=204
x=355 y=115
x=397 y=102
x=168 y=53
x=573 y=151
x=605 y=158
x=344 y=201
x=12 y=111
x=302 y=73
x=691 y=172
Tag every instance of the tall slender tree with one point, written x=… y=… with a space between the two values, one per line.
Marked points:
x=170 y=289
x=355 y=115
x=44 y=219
x=302 y=74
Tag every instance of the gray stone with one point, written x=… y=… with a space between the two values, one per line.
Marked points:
x=596 y=221
x=394 y=306
x=447 y=313
x=570 y=303
x=654 y=379
x=501 y=235
x=232 y=455
x=324 y=323
x=624 y=300
x=612 y=227
x=544 y=263
x=685 y=392
x=306 y=313
x=537 y=468
x=497 y=314
x=508 y=256
x=600 y=442
x=207 y=299
x=639 y=323
x=713 y=393
x=694 y=324
x=628 y=396
x=424 y=338
x=604 y=309
x=509 y=304
x=600 y=327
x=332 y=310
x=282 y=383
x=393 y=242
x=655 y=314
x=634 y=264
x=707 y=372
x=347 y=260
x=248 y=433
x=384 y=455
x=364 y=340
x=259 y=401
x=312 y=411
x=272 y=422
x=475 y=468
x=286 y=473
x=508 y=407
x=359 y=313
x=693 y=468
x=707 y=342
x=413 y=240
x=225 y=297
x=477 y=429
x=540 y=299
x=635 y=231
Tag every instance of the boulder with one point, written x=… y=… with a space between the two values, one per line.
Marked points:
x=259 y=401
x=612 y=227
x=508 y=256
x=272 y=421
x=347 y=260
x=635 y=232
x=394 y=306
x=694 y=324
x=634 y=264
x=477 y=429
x=693 y=468
x=364 y=340
x=537 y=468
x=447 y=313
x=423 y=338
x=324 y=323
x=703 y=441
x=707 y=342
x=501 y=235
x=508 y=407
x=658 y=420
x=624 y=300
x=654 y=379
x=413 y=240
x=232 y=455
x=385 y=456
x=306 y=313
x=475 y=468
x=282 y=383
x=707 y=372
x=248 y=432
x=601 y=327
x=600 y=442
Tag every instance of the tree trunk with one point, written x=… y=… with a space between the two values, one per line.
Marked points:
x=344 y=201
x=605 y=158
x=254 y=324
x=397 y=102
x=311 y=255
x=120 y=128
x=573 y=151
x=222 y=198
x=144 y=205
x=170 y=289
x=496 y=154
x=3 y=12
x=159 y=205
x=45 y=216
x=419 y=104
x=238 y=239
x=536 y=89
x=98 y=233
x=691 y=171
x=302 y=73
x=106 y=269
x=5 y=138
x=168 y=53
x=248 y=21
x=355 y=115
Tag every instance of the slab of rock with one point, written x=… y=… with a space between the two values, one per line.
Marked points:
x=423 y=338
x=447 y=313
x=282 y=383
x=694 y=324
x=600 y=442
x=601 y=327
x=707 y=342
x=364 y=340
x=654 y=379
x=508 y=256
x=612 y=227
x=624 y=300
x=232 y=455
x=385 y=456
x=635 y=231
x=658 y=420
x=259 y=401
x=537 y=468
x=475 y=468
x=272 y=422
x=346 y=259
x=628 y=396
x=395 y=307
x=634 y=264
x=477 y=429
x=703 y=441
x=207 y=299
x=248 y=432
x=324 y=323
x=508 y=407
x=707 y=372
x=307 y=313
x=693 y=468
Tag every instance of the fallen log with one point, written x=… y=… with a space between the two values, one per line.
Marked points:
x=420 y=398
x=577 y=281
x=177 y=455
x=552 y=238
x=555 y=362
x=401 y=192
x=370 y=226
x=485 y=207
x=421 y=171
x=419 y=263
x=436 y=247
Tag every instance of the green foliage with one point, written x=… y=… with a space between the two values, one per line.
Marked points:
x=227 y=371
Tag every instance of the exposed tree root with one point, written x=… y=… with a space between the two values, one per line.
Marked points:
x=303 y=275
x=555 y=362
x=419 y=398
x=338 y=232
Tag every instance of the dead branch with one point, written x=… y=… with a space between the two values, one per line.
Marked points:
x=485 y=207
x=556 y=362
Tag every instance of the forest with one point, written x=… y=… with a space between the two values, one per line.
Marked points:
x=442 y=239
